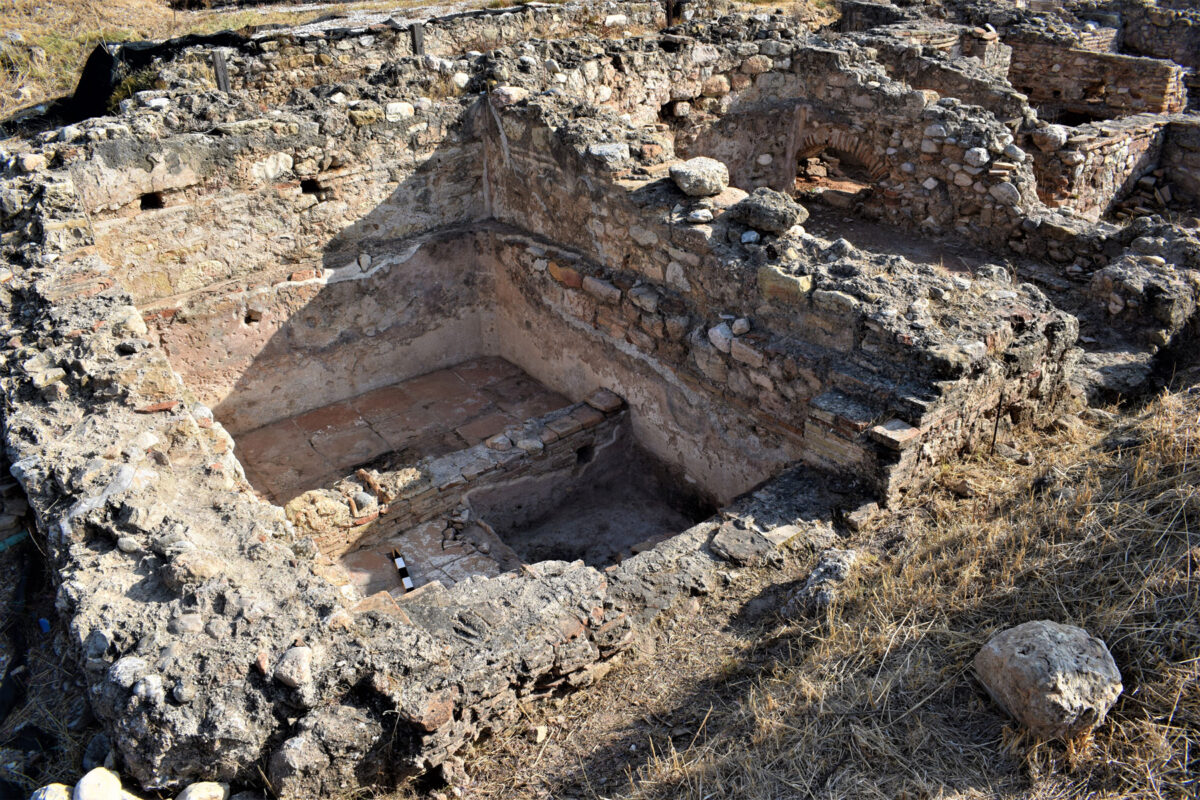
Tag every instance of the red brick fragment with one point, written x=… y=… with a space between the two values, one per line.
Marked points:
x=154 y=408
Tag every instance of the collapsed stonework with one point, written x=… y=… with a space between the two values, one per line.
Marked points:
x=465 y=282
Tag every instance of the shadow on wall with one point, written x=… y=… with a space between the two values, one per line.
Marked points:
x=414 y=286
x=403 y=293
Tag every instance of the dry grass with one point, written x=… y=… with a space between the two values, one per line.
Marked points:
x=53 y=706
x=879 y=700
x=67 y=32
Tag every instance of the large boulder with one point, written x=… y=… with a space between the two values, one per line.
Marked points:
x=700 y=177
x=1055 y=679
x=768 y=210
x=334 y=749
x=1050 y=138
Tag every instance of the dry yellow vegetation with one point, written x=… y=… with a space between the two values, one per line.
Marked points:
x=877 y=699
x=880 y=700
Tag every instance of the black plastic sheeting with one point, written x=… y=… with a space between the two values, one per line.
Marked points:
x=110 y=63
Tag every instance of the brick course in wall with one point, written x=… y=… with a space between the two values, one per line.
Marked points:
x=1097 y=85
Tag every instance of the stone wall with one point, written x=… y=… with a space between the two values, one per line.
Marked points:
x=1099 y=39
x=1097 y=85
x=660 y=292
x=915 y=149
x=954 y=77
x=285 y=270
x=1162 y=32
x=1181 y=159
x=1099 y=164
x=863 y=15
x=273 y=65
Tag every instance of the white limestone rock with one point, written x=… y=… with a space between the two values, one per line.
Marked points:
x=295 y=668
x=768 y=210
x=721 y=337
x=976 y=156
x=205 y=790
x=1056 y=679
x=99 y=784
x=507 y=95
x=700 y=177
x=611 y=153
x=55 y=791
x=1006 y=193
x=1050 y=138
x=820 y=588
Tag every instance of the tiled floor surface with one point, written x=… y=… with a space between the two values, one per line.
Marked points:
x=429 y=415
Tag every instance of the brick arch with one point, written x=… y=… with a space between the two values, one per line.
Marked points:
x=838 y=141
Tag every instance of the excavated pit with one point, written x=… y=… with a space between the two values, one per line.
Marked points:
x=622 y=501
x=266 y=351
x=524 y=470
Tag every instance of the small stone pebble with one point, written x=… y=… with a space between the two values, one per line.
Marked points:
x=295 y=668
x=99 y=784
x=205 y=790
x=55 y=791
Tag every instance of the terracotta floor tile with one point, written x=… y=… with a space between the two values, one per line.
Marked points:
x=523 y=397
x=534 y=406
x=486 y=371
x=428 y=416
x=381 y=404
x=400 y=431
x=473 y=564
x=337 y=415
x=371 y=571
x=276 y=440
x=434 y=387
x=347 y=447
x=301 y=460
x=484 y=426
x=422 y=550
x=453 y=410
x=433 y=443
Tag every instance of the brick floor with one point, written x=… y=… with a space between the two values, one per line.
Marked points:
x=429 y=415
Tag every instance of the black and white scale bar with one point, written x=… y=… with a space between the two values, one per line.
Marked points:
x=402 y=568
